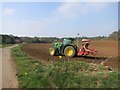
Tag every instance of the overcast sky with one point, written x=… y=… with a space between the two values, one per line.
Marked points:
x=59 y=19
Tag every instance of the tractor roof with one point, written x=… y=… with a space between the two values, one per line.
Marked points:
x=70 y=39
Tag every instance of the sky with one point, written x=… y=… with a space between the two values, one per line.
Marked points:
x=59 y=19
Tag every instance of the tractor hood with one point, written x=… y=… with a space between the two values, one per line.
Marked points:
x=57 y=44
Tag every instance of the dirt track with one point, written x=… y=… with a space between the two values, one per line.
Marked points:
x=107 y=49
x=9 y=79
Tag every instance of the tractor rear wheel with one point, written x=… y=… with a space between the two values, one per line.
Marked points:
x=52 y=51
x=69 y=51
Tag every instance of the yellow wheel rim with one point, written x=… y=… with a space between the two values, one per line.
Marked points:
x=69 y=52
x=52 y=51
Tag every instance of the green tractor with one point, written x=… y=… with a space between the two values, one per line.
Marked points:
x=66 y=48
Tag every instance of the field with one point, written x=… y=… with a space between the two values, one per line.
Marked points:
x=32 y=73
x=107 y=53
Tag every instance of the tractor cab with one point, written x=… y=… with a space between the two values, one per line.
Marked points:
x=68 y=41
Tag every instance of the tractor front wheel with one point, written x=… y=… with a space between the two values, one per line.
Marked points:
x=69 y=51
x=52 y=51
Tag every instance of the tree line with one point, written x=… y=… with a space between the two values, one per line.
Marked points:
x=10 y=39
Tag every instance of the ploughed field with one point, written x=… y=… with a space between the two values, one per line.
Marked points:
x=107 y=53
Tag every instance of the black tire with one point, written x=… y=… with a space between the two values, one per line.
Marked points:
x=69 y=51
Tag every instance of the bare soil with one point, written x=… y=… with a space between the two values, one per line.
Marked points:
x=107 y=53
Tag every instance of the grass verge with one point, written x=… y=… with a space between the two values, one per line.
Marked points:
x=70 y=74
x=5 y=45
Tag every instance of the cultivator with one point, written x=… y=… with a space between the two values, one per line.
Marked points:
x=69 y=49
x=85 y=50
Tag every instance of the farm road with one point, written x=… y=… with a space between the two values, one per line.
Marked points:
x=8 y=72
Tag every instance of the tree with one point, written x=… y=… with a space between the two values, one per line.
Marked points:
x=36 y=40
x=114 y=35
x=8 y=39
x=119 y=34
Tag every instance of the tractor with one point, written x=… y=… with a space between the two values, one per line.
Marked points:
x=69 y=49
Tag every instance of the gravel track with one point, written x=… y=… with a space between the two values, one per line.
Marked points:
x=8 y=76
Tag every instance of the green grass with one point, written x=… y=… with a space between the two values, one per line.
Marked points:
x=5 y=45
x=70 y=74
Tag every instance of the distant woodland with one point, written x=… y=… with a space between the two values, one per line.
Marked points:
x=11 y=39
